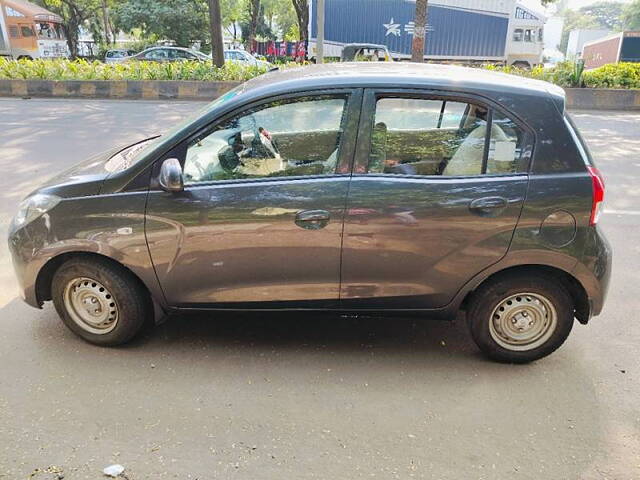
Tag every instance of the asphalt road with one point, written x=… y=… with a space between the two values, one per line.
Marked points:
x=302 y=397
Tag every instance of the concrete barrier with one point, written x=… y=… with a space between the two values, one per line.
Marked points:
x=125 y=89
x=577 y=98
x=603 y=99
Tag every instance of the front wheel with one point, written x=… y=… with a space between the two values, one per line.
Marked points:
x=518 y=319
x=99 y=301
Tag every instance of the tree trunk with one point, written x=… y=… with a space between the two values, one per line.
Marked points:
x=419 y=31
x=71 y=29
x=105 y=21
x=217 y=45
x=302 y=13
x=254 y=12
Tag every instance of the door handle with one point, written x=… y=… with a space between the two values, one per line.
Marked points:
x=313 y=219
x=488 y=206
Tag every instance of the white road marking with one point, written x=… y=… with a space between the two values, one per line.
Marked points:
x=622 y=212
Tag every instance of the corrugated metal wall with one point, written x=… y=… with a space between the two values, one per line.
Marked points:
x=601 y=53
x=452 y=32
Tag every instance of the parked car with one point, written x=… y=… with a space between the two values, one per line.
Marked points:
x=168 y=54
x=365 y=52
x=117 y=55
x=244 y=57
x=348 y=187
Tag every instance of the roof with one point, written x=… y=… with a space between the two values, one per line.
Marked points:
x=31 y=9
x=398 y=74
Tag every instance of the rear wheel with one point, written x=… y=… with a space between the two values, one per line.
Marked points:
x=100 y=302
x=520 y=318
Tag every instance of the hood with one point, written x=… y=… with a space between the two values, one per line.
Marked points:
x=86 y=178
x=81 y=180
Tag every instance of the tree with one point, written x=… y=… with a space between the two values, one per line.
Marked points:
x=254 y=24
x=74 y=13
x=215 y=23
x=302 y=13
x=574 y=20
x=419 y=31
x=254 y=13
x=182 y=21
x=232 y=11
x=607 y=14
x=631 y=16
x=279 y=15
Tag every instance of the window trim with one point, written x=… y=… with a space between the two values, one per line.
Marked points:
x=371 y=96
x=351 y=119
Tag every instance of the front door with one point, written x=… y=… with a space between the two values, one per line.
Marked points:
x=260 y=219
x=437 y=190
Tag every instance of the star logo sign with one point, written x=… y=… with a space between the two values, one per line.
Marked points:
x=392 y=28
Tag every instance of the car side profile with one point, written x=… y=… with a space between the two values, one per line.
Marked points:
x=166 y=54
x=244 y=58
x=393 y=188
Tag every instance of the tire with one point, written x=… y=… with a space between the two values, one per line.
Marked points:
x=536 y=322
x=100 y=302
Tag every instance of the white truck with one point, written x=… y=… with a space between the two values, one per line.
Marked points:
x=30 y=31
x=460 y=31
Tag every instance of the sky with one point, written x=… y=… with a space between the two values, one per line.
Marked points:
x=573 y=4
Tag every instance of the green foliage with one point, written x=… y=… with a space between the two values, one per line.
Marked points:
x=182 y=21
x=83 y=70
x=631 y=16
x=614 y=75
x=606 y=13
x=575 y=20
x=564 y=74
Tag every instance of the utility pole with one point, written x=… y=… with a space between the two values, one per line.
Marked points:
x=217 y=46
x=419 y=31
x=320 y=39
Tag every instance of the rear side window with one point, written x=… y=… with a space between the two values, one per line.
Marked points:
x=578 y=140
x=439 y=137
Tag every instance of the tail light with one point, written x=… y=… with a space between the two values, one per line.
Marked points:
x=597 y=195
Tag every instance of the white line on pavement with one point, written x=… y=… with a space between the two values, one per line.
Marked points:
x=622 y=212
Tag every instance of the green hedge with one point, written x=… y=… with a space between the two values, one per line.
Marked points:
x=615 y=75
x=61 y=69
x=565 y=74
x=569 y=74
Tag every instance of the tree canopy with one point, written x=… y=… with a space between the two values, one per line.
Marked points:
x=631 y=16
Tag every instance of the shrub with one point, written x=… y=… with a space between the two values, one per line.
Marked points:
x=564 y=74
x=614 y=75
x=61 y=69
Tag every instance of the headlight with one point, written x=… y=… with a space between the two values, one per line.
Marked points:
x=33 y=207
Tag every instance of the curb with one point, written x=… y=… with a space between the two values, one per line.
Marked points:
x=116 y=89
x=603 y=99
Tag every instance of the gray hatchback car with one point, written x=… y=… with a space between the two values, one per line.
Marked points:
x=363 y=187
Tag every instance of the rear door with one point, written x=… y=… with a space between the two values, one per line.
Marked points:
x=438 y=185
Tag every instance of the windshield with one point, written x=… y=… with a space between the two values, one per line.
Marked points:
x=130 y=155
x=125 y=158
x=50 y=31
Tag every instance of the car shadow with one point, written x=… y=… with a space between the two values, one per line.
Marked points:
x=314 y=330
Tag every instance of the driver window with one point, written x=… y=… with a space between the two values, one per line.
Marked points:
x=283 y=138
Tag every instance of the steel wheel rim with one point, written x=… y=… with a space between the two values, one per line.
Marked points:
x=523 y=321
x=91 y=305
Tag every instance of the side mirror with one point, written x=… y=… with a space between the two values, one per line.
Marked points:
x=171 y=176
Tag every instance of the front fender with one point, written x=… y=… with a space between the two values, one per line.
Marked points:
x=113 y=227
